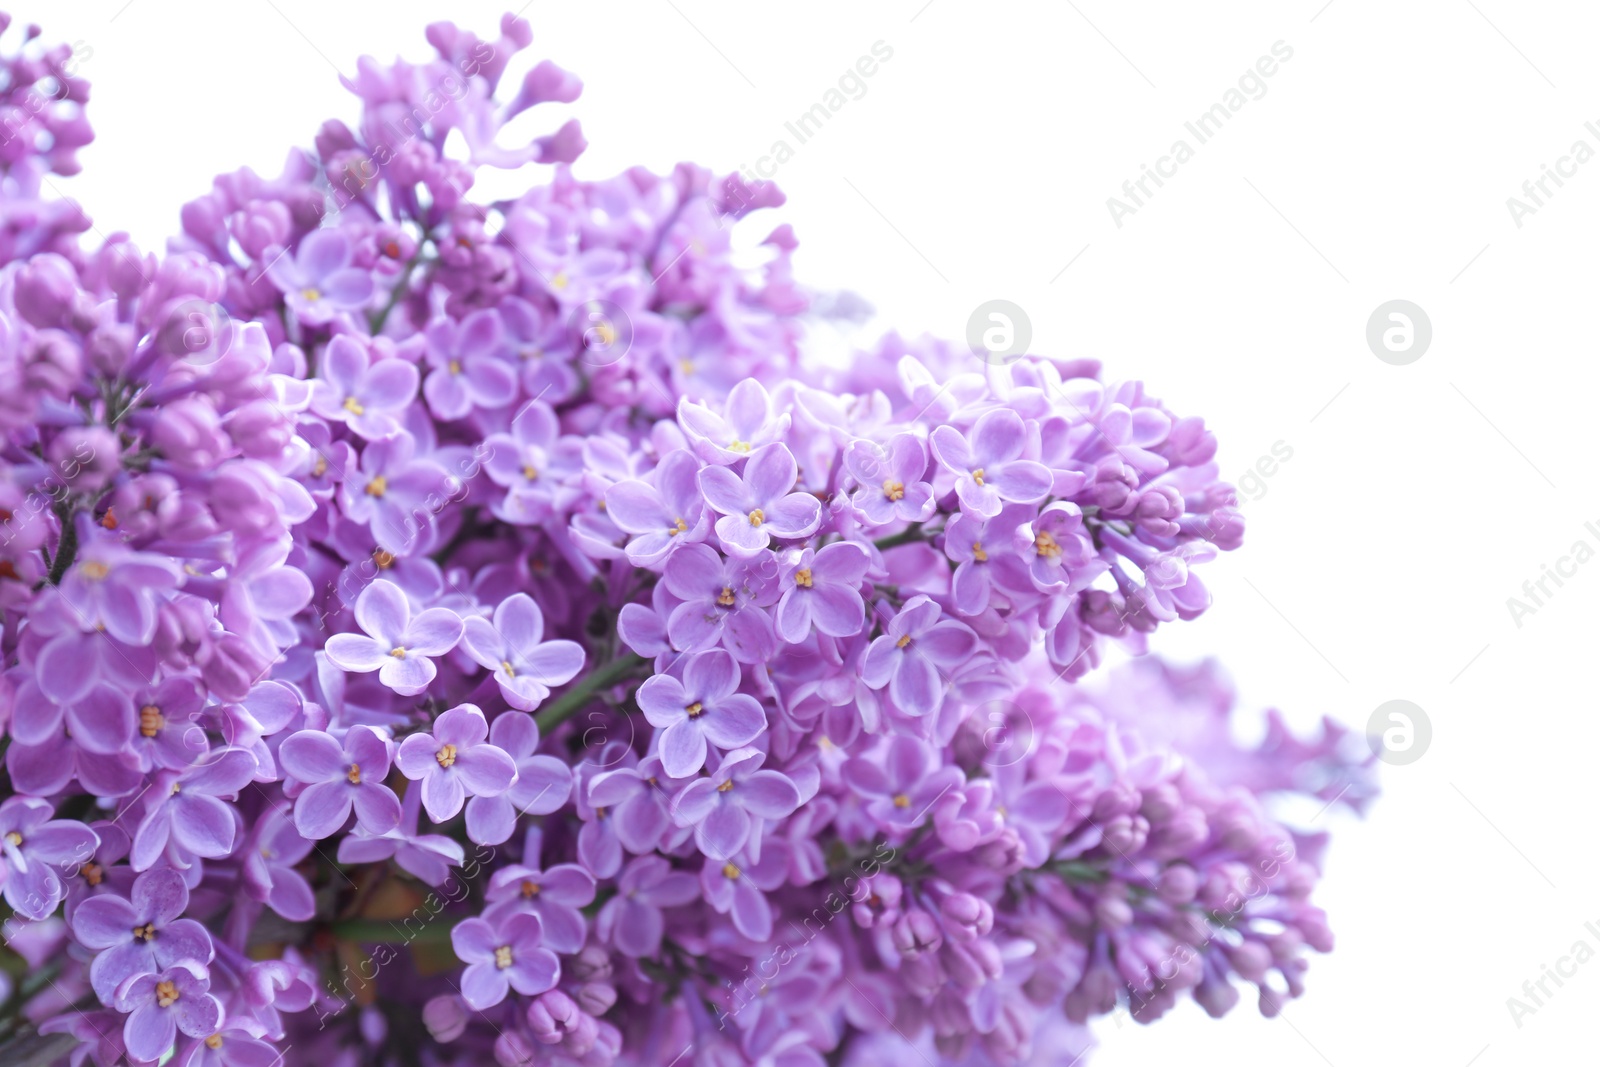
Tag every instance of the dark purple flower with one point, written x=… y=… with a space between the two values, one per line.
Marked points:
x=140 y=933
x=704 y=706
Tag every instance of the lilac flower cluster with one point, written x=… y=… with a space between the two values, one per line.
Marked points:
x=441 y=630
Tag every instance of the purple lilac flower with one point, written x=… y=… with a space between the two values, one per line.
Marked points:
x=366 y=394
x=340 y=775
x=822 y=587
x=185 y=815
x=892 y=478
x=758 y=506
x=468 y=368
x=542 y=785
x=394 y=493
x=504 y=957
x=632 y=919
x=141 y=933
x=747 y=424
x=722 y=602
x=987 y=463
x=318 y=281
x=35 y=851
x=703 y=706
x=917 y=644
x=901 y=781
x=721 y=808
x=455 y=761
x=531 y=463
x=555 y=896
x=162 y=1004
x=396 y=645
x=525 y=665
x=271 y=855
x=663 y=513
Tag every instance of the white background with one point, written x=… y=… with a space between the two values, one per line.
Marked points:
x=1418 y=499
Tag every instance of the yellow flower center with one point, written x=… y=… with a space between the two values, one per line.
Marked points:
x=383 y=559
x=530 y=472
x=94 y=570
x=397 y=652
x=92 y=873
x=214 y=1041
x=978 y=554
x=151 y=720
x=730 y=871
x=354 y=774
x=354 y=406
x=757 y=517
x=802 y=577
x=147 y=932
x=894 y=490
x=455 y=366
x=317 y=471
x=725 y=598
x=695 y=710
x=560 y=280
x=977 y=475
x=378 y=486
x=678 y=526
x=530 y=889
x=1046 y=545
x=166 y=994
x=505 y=665
x=14 y=839
x=739 y=446
x=726 y=787
x=903 y=641
x=502 y=957
x=902 y=801
x=311 y=295
x=446 y=756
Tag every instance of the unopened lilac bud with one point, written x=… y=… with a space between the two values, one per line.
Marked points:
x=53 y=364
x=1118 y=799
x=971 y=965
x=85 y=457
x=45 y=288
x=592 y=964
x=512 y=1049
x=261 y=429
x=127 y=271
x=878 y=903
x=1178 y=883
x=596 y=998
x=1216 y=996
x=1160 y=802
x=966 y=916
x=262 y=226
x=1112 y=912
x=373 y=1025
x=445 y=1017
x=189 y=434
x=1251 y=959
x=1126 y=833
x=916 y=932
x=552 y=1016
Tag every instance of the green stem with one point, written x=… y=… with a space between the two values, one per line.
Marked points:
x=576 y=698
x=67 y=550
x=400 y=287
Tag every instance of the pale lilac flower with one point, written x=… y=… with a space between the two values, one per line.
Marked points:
x=185 y=817
x=721 y=808
x=318 y=281
x=704 y=706
x=35 y=850
x=366 y=394
x=525 y=666
x=985 y=557
x=759 y=505
x=338 y=776
x=542 y=785
x=893 y=479
x=469 y=370
x=1057 y=551
x=400 y=648
x=113 y=588
x=663 y=513
x=900 y=781
x=917 y=644
x=632 y=919
x=395 y=493
x=531 y=463
x=160 y=1005
x=722 y=601
x=455 y=761
x=747 y=423
x=987 y=463
x=139 y=933
x=503 y=957
x=555 y=895
x=823 y=586
x=271 y=854
x=738 y=886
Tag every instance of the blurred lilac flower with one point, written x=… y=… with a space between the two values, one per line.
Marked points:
x=318 y=281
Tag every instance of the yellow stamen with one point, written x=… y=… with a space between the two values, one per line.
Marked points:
x=92 y=873
x=739 y=446
x=1046 y=545
x=354 y=774
x=560 y=280
x=354 y=406
x=726 y=787
x=725 y=598
x=802 y=577
x=378 y=486
x=15 y=839
x=455 y=366
x=903 y=642
x=446 y=756
x=94 y=570
x=695 y=710
x=319 y=470
x=505 y=665
x=151 y=720
x=214 y=1041
x=383 y=559
x=902 y=801
x=678 y=526
x=398 y=653
x=894 y=490
x=977 y=475
x=730 y=871
x=530 y=889
x=166 y=994
x=757 y=517
x=311 y=295
x=147 y=932
x=502 y=957
x=530 y=472
x=978 y=554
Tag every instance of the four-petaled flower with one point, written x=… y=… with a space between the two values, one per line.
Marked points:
x=525 y=665
x=455 y=760
x=339 y=776
x=318 y=281
x=704 y=706
x=367 y=395
x=760 y=505
x=139 y=933
x=916 y=644
x=468 y=367
x=506 y=956
x=396 y=645
x=721 y=807
x=987 y=463
x=823 y=586
x=892 y=479
x=159 y=1005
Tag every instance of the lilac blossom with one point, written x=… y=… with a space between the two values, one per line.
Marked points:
x=318 y=281
x=398 y=646
x=823 y=587
x=893 y=479
x=721 y=808
x=663 y=513
x=525 y=666
x=455 y=761
x=919 y=648
x=141 y=933
x=700 y=707
x=160 y=1005
x=36 y=851
x=759 y=505
x=340 y=775
x=633 y=920
x=542 y=785
x=504 y=957
x=364 y=393
x=468 y=369
x=987 y=463
x=184 y=815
